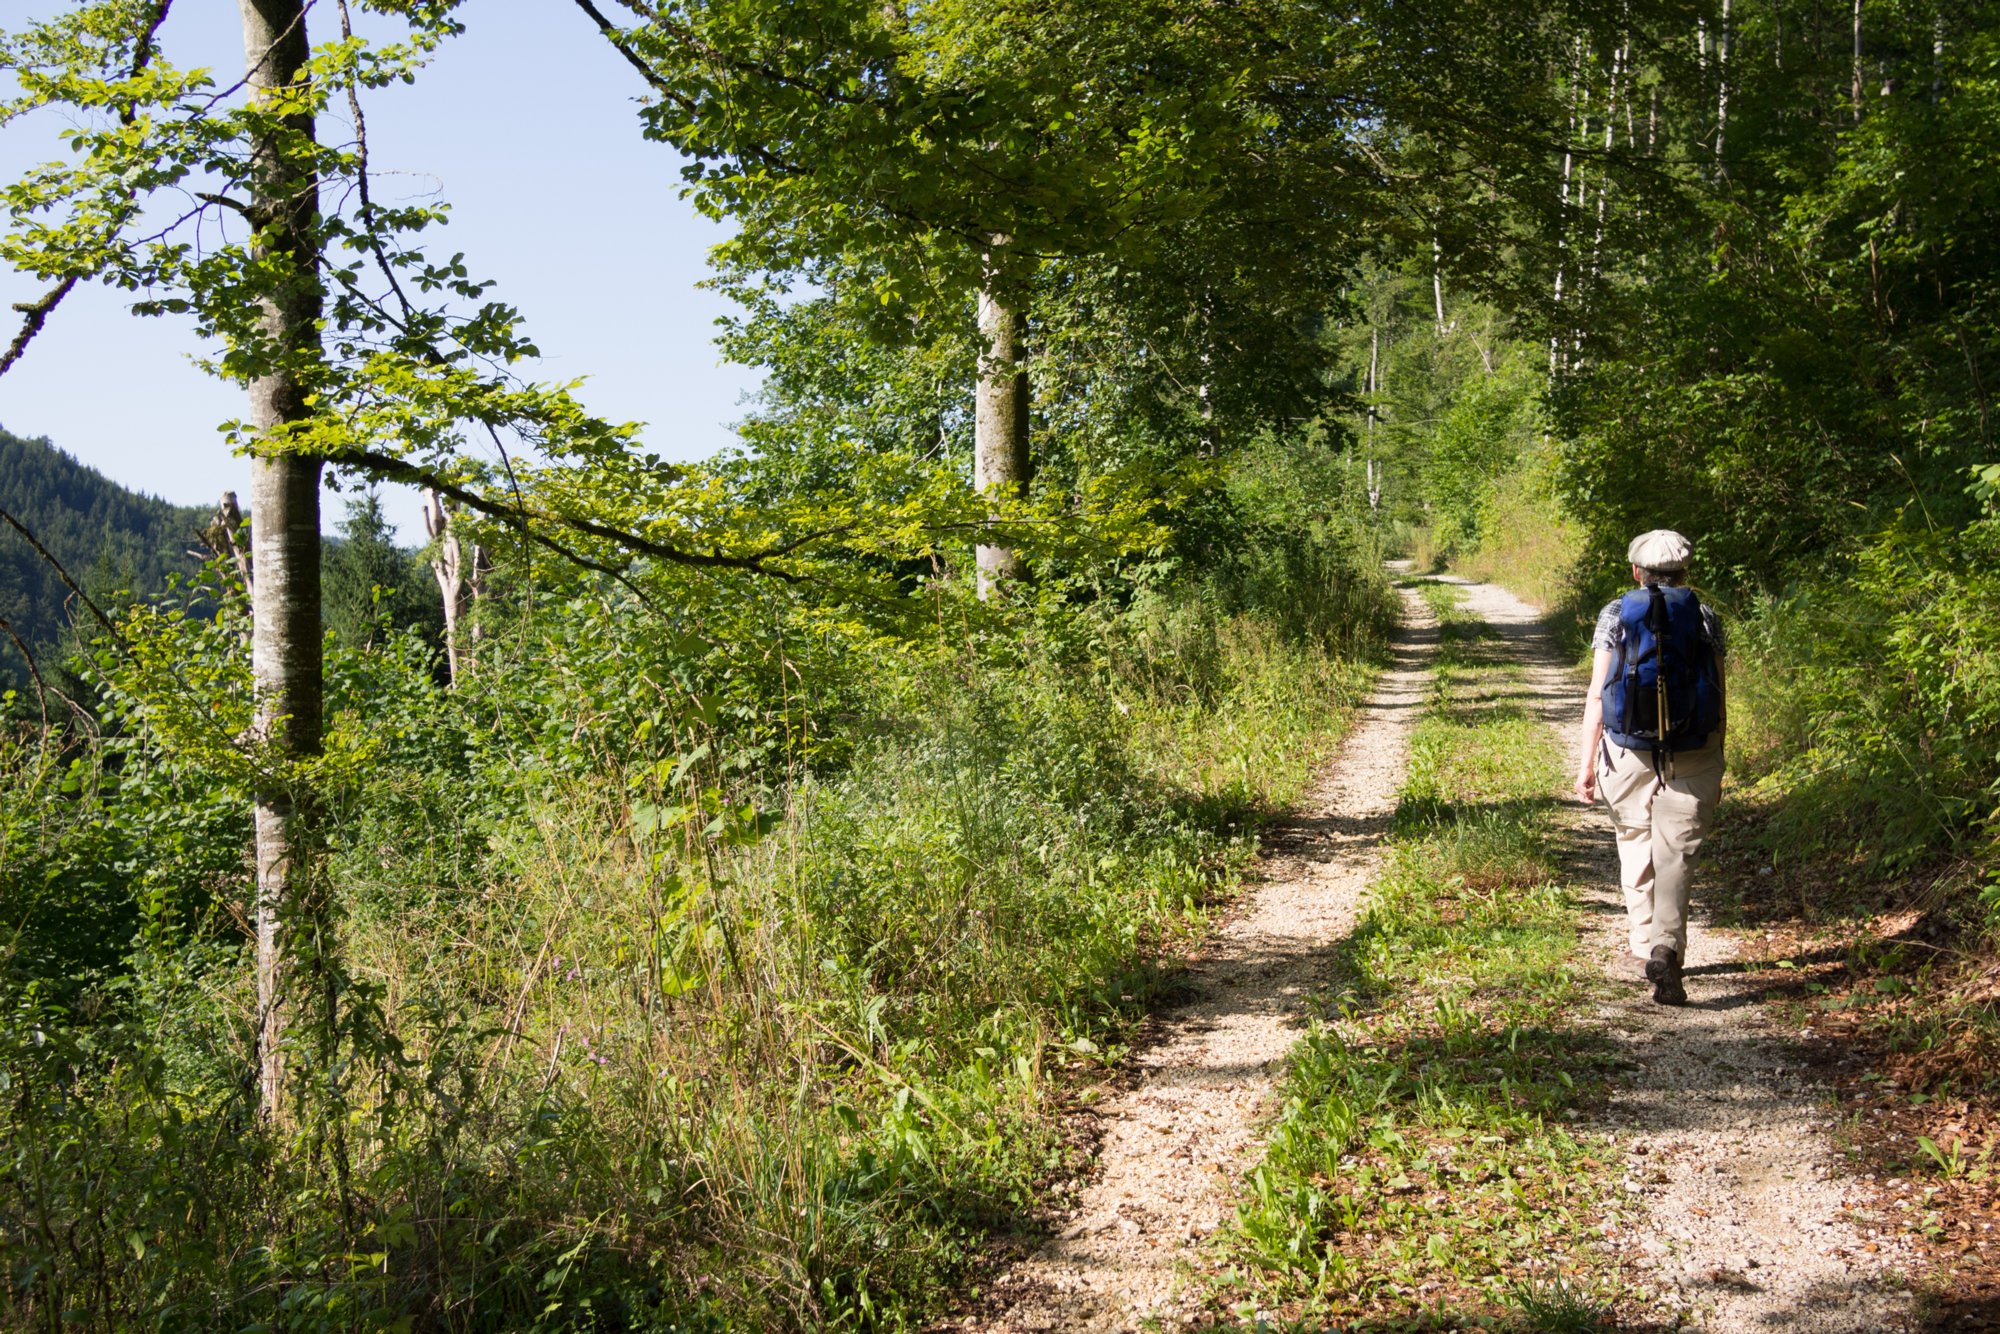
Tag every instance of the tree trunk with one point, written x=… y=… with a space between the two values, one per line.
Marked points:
x=1854 y=92
x=1937 y=57
x=285 y=542
x=1722 y=45
x=1374 y=394
x=1437 y=282
x=223 y=537
x=1000 y=424
x=1631 y=130
x=1604 y=175
x=448 y=568
x=1204 y=399
x=476 y=572
x=1374 y=366
x=1563 y=211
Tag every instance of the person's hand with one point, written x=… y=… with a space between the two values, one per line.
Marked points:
x=1586 y=785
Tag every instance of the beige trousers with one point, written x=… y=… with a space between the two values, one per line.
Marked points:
x=1660 y=819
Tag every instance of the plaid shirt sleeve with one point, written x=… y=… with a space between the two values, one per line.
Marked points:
x=1609 y=633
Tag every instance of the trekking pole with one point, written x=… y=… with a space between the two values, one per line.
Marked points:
x=1662 y=709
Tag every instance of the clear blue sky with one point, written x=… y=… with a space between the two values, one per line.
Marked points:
x=527 y=126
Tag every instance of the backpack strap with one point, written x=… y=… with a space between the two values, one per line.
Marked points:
x=1656 y=616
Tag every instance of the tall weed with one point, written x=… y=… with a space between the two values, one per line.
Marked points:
x=637 y=1014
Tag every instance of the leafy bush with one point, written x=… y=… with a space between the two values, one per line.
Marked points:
x=1871 y=699
x=656 y=989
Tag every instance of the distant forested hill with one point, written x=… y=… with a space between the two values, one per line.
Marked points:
x=107 y=536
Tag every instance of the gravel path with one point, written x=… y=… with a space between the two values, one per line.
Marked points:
x=1735 y=1215
x=1175 y=1144
x=1739 y=1222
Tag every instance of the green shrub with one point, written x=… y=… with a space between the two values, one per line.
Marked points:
x=638 y=1011
x=1871 y=700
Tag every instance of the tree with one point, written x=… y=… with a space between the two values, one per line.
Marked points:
x=937 y=154
x=359 y=352
x=461 y=579
x=369 y=583
x=935 y=158
x=285 y=664
x=312 y=310
x=1795 y=344
x=74 y=511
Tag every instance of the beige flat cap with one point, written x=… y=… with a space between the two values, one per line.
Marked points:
x=1661 y=549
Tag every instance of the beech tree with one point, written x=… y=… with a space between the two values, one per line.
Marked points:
x=933 y=156
x=285 y=670
x=357 y=349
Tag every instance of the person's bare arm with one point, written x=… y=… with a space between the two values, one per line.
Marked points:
x=1593 y=728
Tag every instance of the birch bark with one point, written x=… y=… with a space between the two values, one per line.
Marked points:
x=1562 y=212
x=1722 y=45
x=1374 y=395
x=1618 y=59
x=1437 y=282
x=1854 y=91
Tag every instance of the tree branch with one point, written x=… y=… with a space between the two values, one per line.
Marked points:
x=624 y=48
x=34 y=671
x=368 y=233
x=63 y=574
x=253 y=216
x=37 y=312
x=757 y=152
x=394 y=469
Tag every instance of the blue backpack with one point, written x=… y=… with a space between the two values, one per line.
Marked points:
x=1665 y=691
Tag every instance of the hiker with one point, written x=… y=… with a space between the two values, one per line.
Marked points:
x=1651 y=745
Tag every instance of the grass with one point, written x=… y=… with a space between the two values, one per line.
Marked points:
x=1423 y=1172
x=872 y=1016
x=674 y=1055
x=1528 y=545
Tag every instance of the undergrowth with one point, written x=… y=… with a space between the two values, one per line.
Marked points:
x=620 y=1026
x=1423 y=1173
x=1527 y=544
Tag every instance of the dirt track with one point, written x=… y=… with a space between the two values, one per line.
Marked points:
x=1721 y=1127
x=1738 y=1213
x=1174 y=1145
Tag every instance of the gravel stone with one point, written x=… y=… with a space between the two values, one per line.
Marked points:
x=1712 y=1081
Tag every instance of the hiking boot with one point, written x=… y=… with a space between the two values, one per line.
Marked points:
x=1663 y=970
